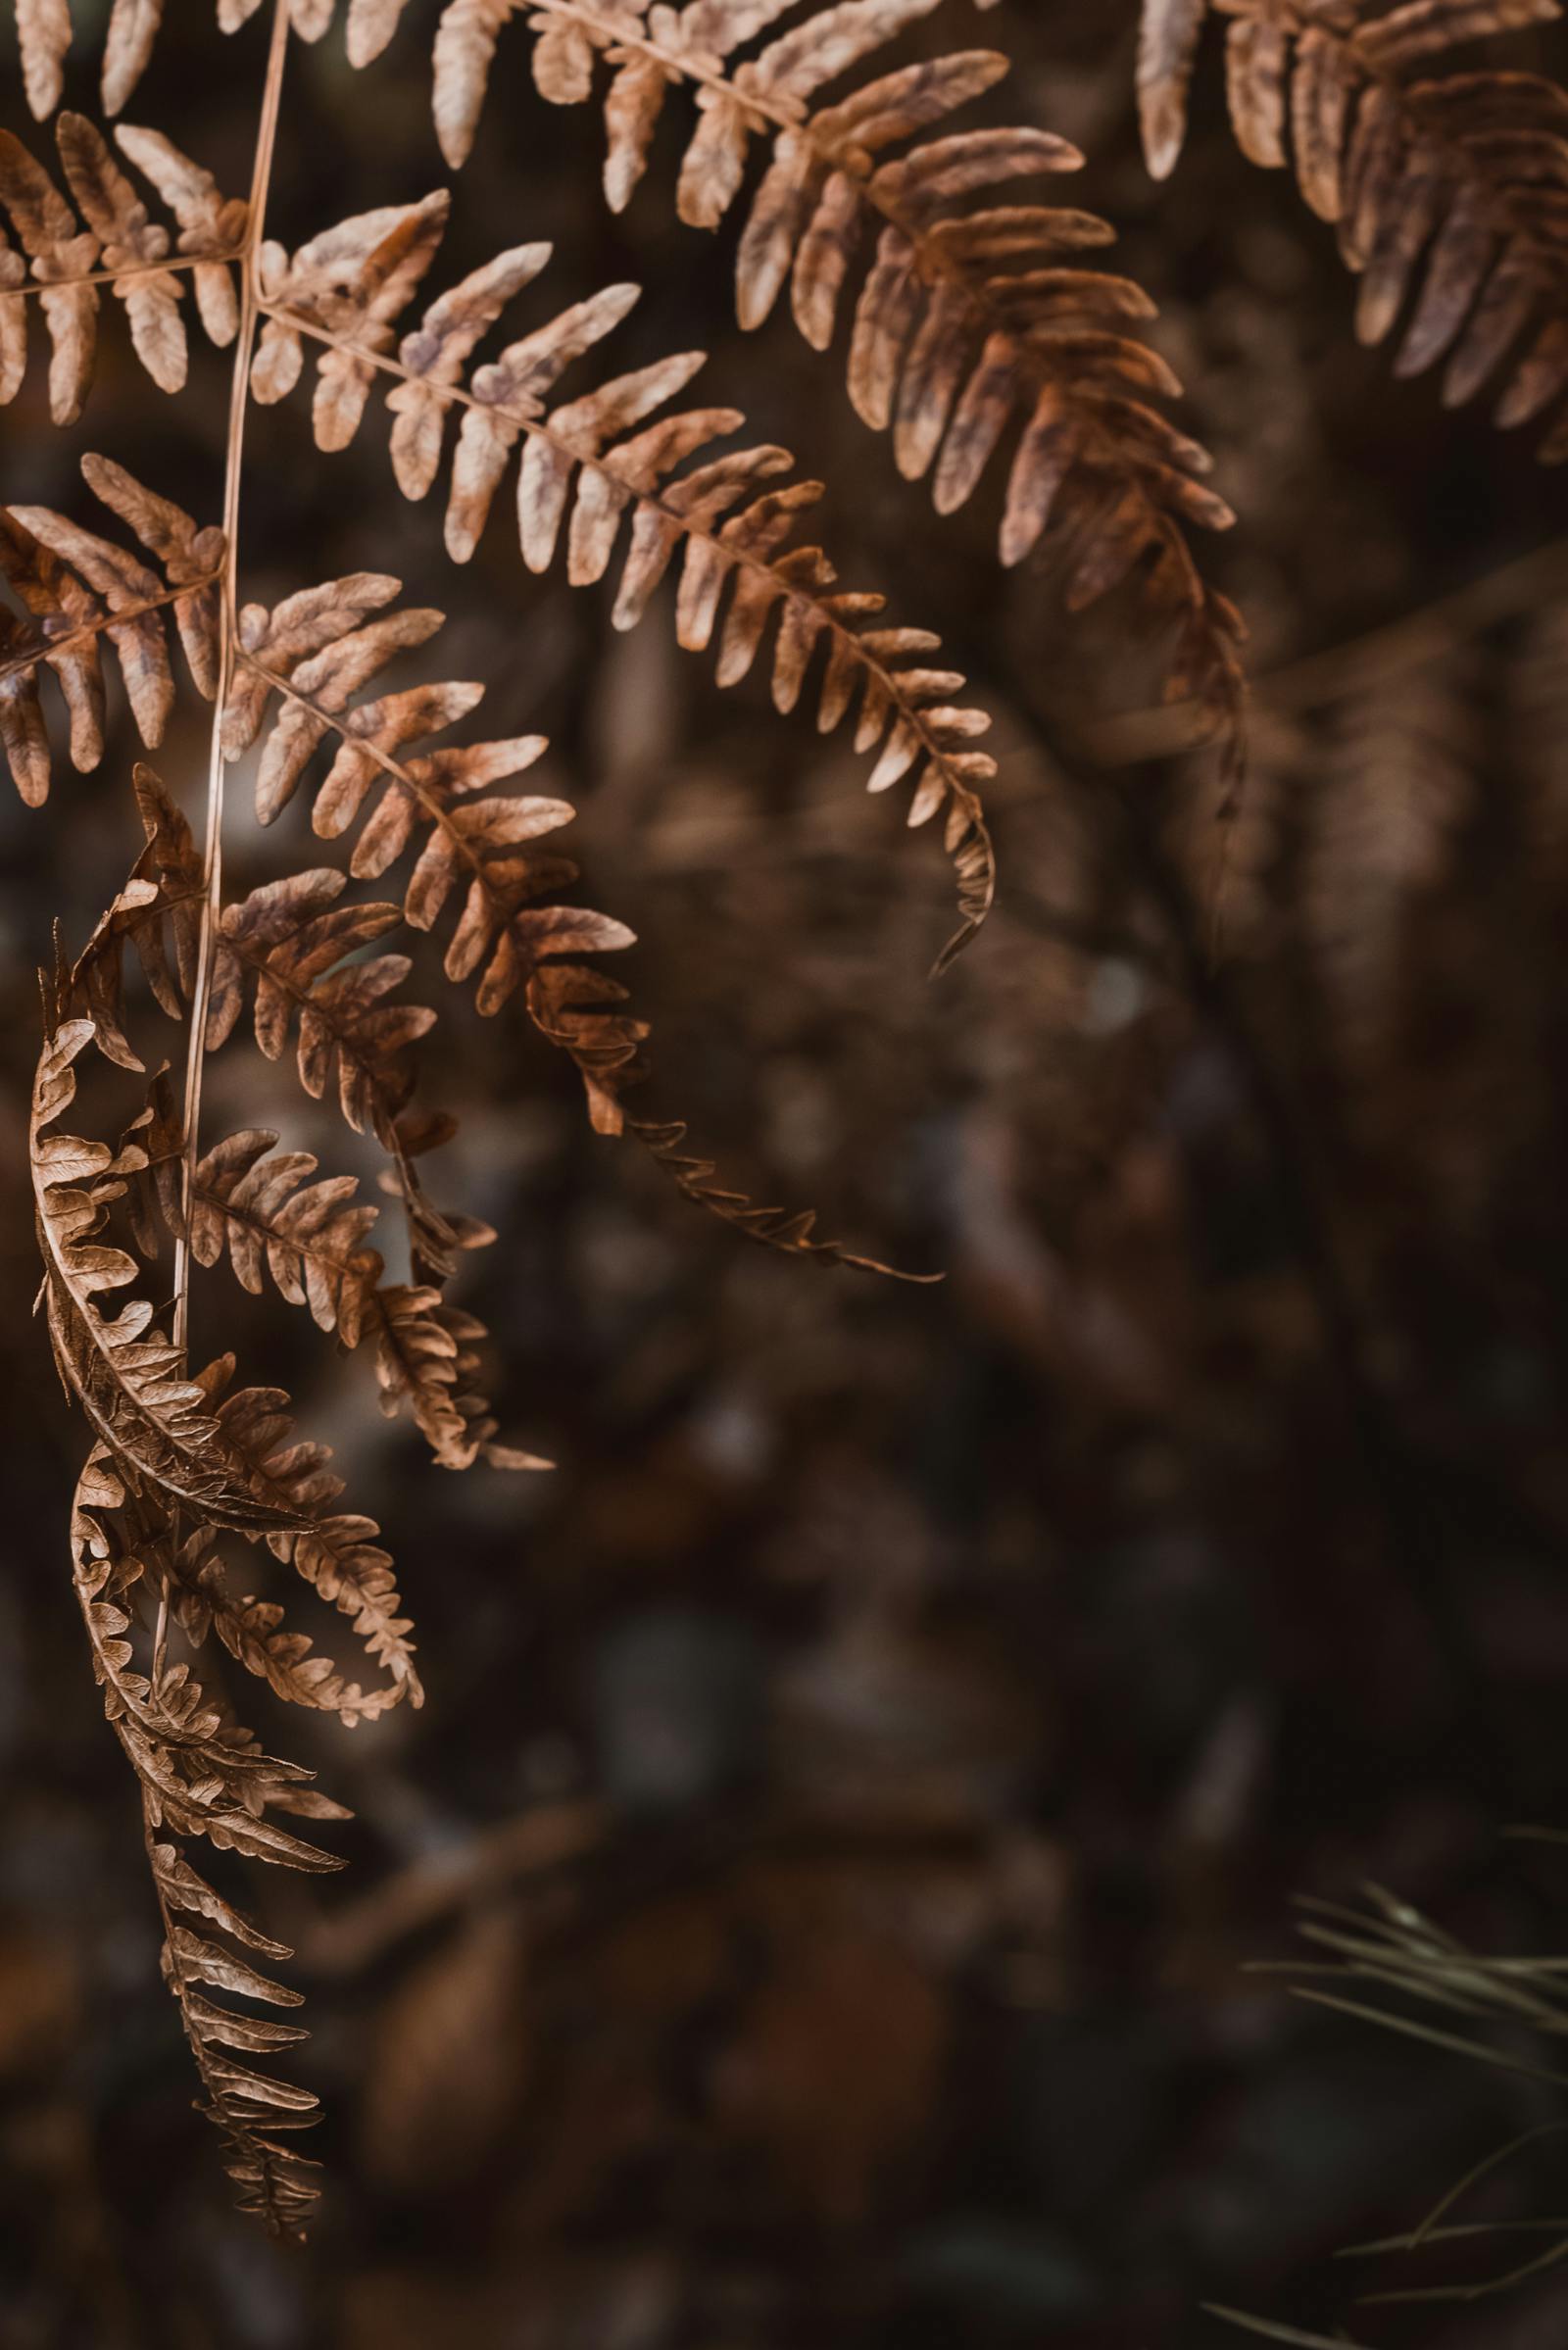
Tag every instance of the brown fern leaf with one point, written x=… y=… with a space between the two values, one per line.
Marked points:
x=43 y=36
x=427 y=1357
x=256 y=1206
x=789 y=1232
x=76 y=588
x=469 y=837
x=1168 y=35
x=337 y=1554
x=289 y=947
x=299 y=955
x=201 y=1777
x=114 y=241
x=974 y=314
x=591 y=464
x=131 y=1381
x=207 y=1776
x=569 y=1004
x=1450 y=193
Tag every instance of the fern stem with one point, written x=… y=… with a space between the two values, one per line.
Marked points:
x=53 y=648
x=239 y=391
x=143 y=268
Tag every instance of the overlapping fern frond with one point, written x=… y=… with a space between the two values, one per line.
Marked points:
x=298 y=669
x=1450 y=186
x=978 y=327
x=977 y=319
x=595 y=472
x=975 y=315
x=200 y=1778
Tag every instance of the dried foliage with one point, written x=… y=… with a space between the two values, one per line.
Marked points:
x=617 y=480
x=1403 y=826
x=976 y=315
x=1446 y=183
x=585 y=470
x=78 y=588
x=115 y=242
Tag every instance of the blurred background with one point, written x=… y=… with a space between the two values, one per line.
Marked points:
x=812 y=1905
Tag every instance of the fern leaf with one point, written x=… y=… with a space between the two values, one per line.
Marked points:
x=789 y=1232
x=114 y=240
x=79 y=587
x=133 y=27
x=287 y=948
x=257 y=1206
x=1167 y=51
x=159 y=913
x=973 y=315
x=202 y=1777
x=592 y=463
x=573 y=1006
x=336 y=1552
x=1445 y=190
x=299 y=956
x=472 y=840
x=131 y=1381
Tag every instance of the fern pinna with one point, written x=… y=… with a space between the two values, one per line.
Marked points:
x=1448 y=186
x=974 y=320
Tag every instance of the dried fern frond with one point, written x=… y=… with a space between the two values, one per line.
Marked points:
x=260 y=1208
x=76 y=588
x=128 y=1378
x=337 y=1553
x=179 y=1461
x=314 y=654
x=594 y=462
x=578 y=1009
x=976 y=315
x=113 y=242
x=789 y=1232
x=288 y=947
x=1450 y=193
x=299 y=957
x=201 y=1777
x=183 y=1463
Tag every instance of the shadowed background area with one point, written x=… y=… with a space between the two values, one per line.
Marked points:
x=811 y=1906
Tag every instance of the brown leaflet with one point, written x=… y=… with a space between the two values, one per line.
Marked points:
x=79 y=587
x=120 y=242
